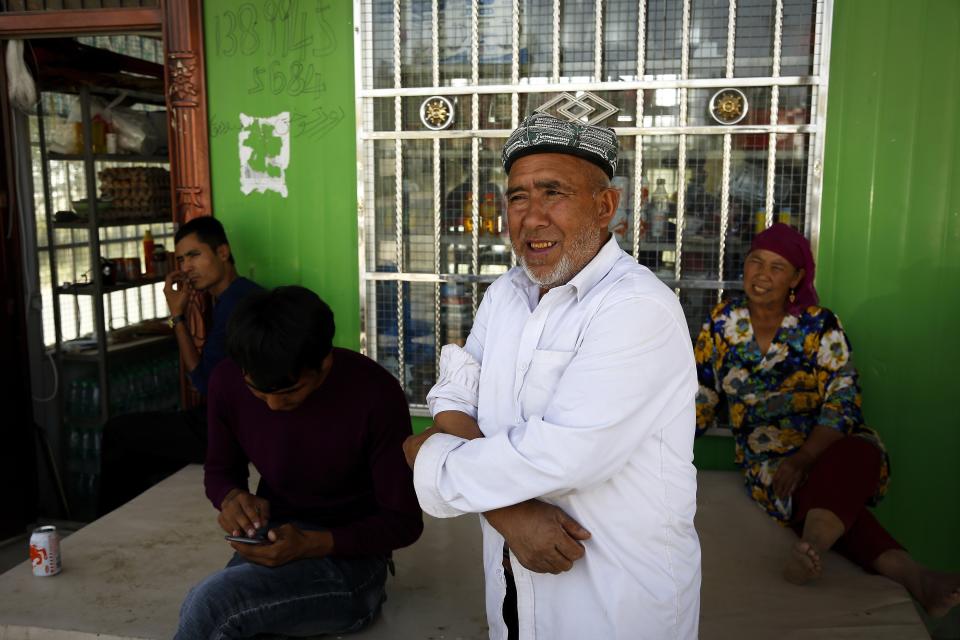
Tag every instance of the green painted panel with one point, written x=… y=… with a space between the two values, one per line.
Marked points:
x=421 y=424
x=266 y=58
x=889 y=255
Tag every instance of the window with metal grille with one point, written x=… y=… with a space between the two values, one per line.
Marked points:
x=719 y=106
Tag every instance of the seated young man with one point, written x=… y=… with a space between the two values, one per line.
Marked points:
x=324 y=427
x=140 y=449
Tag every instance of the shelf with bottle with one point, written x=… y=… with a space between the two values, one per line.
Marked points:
x=122 y=219
x=108 y=157
x=85 y=350
x=87 y=288
x=465 y=239
x=152 y=385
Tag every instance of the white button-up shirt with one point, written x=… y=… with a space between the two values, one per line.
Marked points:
x=586 y=401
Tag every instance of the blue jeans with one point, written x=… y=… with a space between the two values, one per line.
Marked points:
x=303 y=598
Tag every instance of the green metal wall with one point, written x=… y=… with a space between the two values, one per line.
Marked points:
x=889 y=255
x=260 y=63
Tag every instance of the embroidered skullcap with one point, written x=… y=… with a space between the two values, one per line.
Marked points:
x=542 y=133
x=786 y=241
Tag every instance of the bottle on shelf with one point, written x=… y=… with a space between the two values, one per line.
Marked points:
x=468 y=212
x=785 y=216
x=148 y=266
x=659 y=210
x=488 y=214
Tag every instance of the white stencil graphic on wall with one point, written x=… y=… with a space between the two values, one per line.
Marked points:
x=264 y=153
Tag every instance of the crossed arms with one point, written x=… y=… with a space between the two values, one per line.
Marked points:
x=543 y=537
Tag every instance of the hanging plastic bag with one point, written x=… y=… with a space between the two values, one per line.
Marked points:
x=22 y=90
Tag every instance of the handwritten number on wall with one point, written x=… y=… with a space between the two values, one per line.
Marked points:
x=247 y=23
x=294 y=80
x=289 y=29
x=229 y=36
x=283 y=40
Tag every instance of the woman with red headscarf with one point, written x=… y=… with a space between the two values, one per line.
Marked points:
x=782 y=365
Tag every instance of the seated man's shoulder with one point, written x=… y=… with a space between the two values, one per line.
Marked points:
x=226 y=374
x=365 y=372
x=245 y=286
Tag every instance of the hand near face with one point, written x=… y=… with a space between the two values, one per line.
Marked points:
x=242 y=513
x=542 y=537
x=177 y=296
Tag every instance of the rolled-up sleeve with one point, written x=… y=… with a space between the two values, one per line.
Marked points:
x=458 y=386
x=427 y=471
x=619 y=388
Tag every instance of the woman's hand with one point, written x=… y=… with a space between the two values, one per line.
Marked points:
x=791 y=473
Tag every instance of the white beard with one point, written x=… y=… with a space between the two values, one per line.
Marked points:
x=582 y=249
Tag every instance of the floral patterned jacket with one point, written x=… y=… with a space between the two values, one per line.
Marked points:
x=774 y=400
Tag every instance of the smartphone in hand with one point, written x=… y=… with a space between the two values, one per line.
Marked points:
x=246 y=540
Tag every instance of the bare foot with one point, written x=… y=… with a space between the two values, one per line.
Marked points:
x=939 y=592
x=804 y=563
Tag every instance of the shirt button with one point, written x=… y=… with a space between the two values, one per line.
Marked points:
x=523 y=367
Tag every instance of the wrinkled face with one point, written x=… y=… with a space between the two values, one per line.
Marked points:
x=768 y=277
x=291 y=397
x=558 y=209
x=203 y=266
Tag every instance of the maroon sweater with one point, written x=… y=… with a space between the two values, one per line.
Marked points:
x=335 y=462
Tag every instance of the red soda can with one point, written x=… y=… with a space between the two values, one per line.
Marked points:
x=45 y=551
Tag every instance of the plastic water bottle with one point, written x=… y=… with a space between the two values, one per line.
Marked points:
x=94 y=399
x=659 y=210
x=74 y=400
x=75 y=446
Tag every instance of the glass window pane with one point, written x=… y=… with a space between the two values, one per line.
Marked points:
x=620 y=21
x=708 y=38
x=418 y=227
x=578 y=39
x=754 y=38
x=664 y=34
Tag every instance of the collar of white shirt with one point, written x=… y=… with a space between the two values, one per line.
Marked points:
x=582 y=282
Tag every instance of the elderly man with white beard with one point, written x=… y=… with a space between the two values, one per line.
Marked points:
x=567 y=420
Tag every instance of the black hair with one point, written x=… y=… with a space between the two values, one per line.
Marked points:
x=209 y=231
x=274 y=335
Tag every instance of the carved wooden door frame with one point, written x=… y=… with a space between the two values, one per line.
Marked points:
x=181 y=24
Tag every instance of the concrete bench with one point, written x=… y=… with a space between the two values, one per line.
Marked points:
x=126 y=574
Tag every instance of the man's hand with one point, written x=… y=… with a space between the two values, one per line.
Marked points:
x=791 y=473
x=411 y=446
x=542 y=537
x=286 y=544
x=177 y=298
x=454 y=423
x=242 y=513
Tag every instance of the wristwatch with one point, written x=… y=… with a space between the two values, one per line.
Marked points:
x=173 y=320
